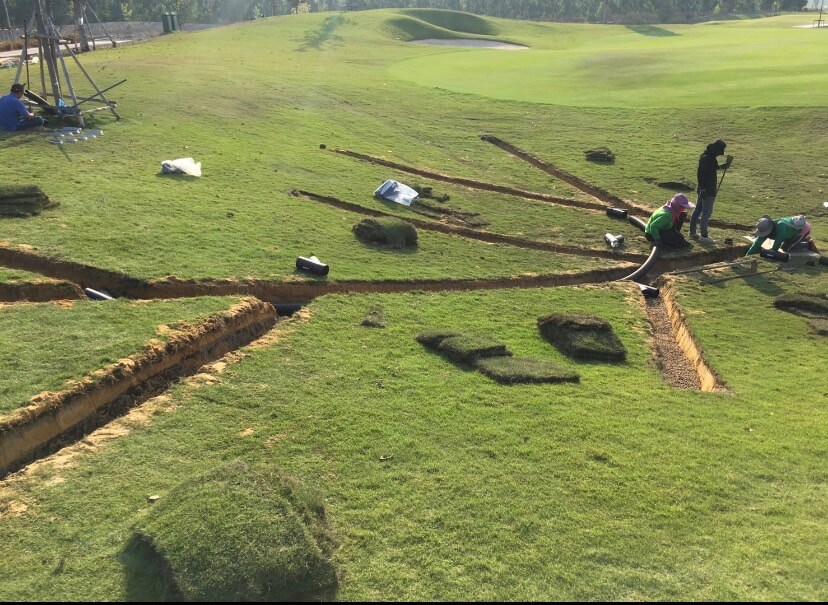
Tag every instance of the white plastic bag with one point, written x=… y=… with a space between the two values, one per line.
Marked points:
x=181 y=166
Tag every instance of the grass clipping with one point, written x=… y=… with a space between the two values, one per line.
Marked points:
x=390 y=232
x=23 y=201
x=241 y=533
x=582 y=336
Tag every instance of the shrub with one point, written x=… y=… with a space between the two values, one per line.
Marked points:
x=513 y=370
x=583 y=336
x=240 y=533
x=468 y=348
x=391 y=232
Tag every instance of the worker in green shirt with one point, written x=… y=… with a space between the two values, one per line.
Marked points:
x=786 y=233
x=664 y=226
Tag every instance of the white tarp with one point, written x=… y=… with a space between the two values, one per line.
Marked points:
x=396 y=192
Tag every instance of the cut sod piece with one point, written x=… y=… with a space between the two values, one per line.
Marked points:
x=374 y=318
x=803 y=304
x=432 y=338
x=583 y=336
x=512 y=370
x=24 y=200
x=390 y=232
x=240 y=533
x=819 y=326
x=468 y=348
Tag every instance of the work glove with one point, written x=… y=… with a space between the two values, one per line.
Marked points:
x=728 y=161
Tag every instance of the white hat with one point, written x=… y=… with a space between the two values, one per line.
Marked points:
x=798 y=221
x=764 y=226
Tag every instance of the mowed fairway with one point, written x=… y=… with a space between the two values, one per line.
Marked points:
x=438 y=482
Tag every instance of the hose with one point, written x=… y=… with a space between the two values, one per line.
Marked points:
x=648 y=264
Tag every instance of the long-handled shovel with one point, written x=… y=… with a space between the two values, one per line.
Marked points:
x=723 y=176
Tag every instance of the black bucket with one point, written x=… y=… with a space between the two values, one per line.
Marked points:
x=312 y=265
x=616 y=212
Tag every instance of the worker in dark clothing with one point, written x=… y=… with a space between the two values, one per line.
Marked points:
x=707 y=188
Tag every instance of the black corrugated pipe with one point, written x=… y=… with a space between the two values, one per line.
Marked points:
x=648 y=264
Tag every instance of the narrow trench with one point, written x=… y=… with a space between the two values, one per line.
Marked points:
x=51 y=421
x=586 y=187
x=58 y=419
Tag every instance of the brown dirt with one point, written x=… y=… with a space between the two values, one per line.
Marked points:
x=41 y=291
x=474 y=184
x=588 y=188
x=676 y=351
x=49 y=419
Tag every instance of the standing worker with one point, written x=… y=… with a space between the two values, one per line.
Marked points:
x=664 y=226
x=707 y=188
x=786 y=232
x=13 y=114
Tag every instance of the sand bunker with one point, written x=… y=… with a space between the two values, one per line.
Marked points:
x=473 y=44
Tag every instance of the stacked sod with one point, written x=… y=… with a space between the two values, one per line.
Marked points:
x=24 y=200
x=582 y=336
x=240 y=533
x=390 y=232
x=493 y=358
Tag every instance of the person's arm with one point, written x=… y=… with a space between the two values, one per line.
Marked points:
x=728 y=162
x=757 y=245
x=22 y=112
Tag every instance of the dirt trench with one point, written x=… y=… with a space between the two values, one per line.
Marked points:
x=675 y=349
x=51 y=420
x=39 y=291
x=588 y=188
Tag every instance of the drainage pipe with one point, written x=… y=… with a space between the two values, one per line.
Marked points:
x=648 y=264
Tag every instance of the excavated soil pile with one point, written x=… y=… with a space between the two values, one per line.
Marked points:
x=390 y=232
x=238 y=533
x=23 y=201
x=583 y=336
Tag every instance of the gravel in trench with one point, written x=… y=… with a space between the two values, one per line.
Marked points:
x=676 y=368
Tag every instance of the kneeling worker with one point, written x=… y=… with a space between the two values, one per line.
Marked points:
x=787 y=233
x=13 y=114
x=664 y=226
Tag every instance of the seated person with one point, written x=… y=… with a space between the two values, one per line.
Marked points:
x=13 y=114
x=788 y=233
x=664 y=226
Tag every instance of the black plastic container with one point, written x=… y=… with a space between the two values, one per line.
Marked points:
x=774 y=255
x=617 y=212
x=648 y=291
x=312 y=265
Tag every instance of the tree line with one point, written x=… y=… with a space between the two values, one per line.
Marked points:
x=226 y=11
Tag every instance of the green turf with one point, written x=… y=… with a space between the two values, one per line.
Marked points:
x=42 y=346
x=444 y=485
x=391 y=232
x=324 y=79
x=16 y=275
x=238 y=533
x=511 y=370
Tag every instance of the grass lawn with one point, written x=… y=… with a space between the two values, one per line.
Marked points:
x=254 y=102
x=439 y=483
x=615 y=488
x=8 y=276
x=42 y=346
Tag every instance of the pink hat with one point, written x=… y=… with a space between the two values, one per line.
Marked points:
x=680 y=199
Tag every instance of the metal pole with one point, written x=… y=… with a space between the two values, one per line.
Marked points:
x=8 y=21
x=821 y=6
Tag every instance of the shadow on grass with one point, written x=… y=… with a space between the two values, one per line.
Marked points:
x=147 y=576
x=651 y=30
x=317 y=39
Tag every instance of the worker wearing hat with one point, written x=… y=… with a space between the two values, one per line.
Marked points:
x=786 y=233
x=664 y=226
x=13 y=114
